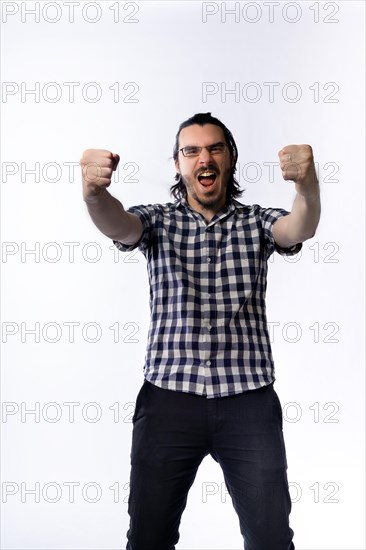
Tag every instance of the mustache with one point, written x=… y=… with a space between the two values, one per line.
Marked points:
x=210 y=167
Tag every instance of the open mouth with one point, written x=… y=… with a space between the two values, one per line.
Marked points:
x=207 y=178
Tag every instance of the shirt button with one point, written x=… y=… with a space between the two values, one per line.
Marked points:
x=208 y=363
x=208 y=259
x=209 y=327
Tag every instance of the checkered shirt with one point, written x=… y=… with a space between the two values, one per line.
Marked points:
x=208 y=331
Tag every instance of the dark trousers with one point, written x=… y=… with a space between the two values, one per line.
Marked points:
x=174 y=431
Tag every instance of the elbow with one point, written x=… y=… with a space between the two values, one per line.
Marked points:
x=308 y=236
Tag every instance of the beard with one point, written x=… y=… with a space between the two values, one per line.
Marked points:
x=210 y=201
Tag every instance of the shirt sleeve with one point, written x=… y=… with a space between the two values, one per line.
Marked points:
x=147 y=215
x=268 y=217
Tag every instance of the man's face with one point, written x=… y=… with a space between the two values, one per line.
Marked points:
x=204 y=193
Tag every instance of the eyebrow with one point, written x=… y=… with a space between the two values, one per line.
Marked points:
x=211 y=144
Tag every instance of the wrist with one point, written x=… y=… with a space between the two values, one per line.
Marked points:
x=94 y=199
x=309 y=193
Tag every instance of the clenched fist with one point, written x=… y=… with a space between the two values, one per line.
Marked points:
x=97 y=166
x=297 y=164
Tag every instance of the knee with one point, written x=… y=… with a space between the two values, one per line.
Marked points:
x=280 y=540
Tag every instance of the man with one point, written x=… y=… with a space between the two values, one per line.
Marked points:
x=209 y=370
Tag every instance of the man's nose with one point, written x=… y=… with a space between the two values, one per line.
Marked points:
x=204 y=156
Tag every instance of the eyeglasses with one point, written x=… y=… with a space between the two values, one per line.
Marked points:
x=195 y=151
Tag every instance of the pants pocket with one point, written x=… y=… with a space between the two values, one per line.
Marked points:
x=278 y=409
x=138 y=402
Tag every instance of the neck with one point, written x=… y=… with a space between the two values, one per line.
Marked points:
x=208 y=212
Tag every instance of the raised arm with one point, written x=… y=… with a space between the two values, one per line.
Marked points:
x=105 y=210
x=297 y=164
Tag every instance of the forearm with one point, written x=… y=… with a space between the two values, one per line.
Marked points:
x=304 y=218
x=111 y=218
x=297 y=164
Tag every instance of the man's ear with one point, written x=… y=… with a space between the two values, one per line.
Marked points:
x=177 y=166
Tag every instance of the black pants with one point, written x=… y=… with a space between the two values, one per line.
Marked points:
x=174 y=431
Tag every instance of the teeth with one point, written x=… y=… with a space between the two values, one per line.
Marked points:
x=207 y=173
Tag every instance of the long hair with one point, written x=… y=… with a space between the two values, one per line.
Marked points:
x=178 y=190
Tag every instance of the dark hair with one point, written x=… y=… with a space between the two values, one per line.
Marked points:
x=178 y=190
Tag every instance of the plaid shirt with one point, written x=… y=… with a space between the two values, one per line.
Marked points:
x=208 y=331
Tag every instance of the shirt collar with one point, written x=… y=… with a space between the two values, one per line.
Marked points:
x=229 y=207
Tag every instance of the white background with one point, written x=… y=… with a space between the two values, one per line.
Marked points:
x=169 y=53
